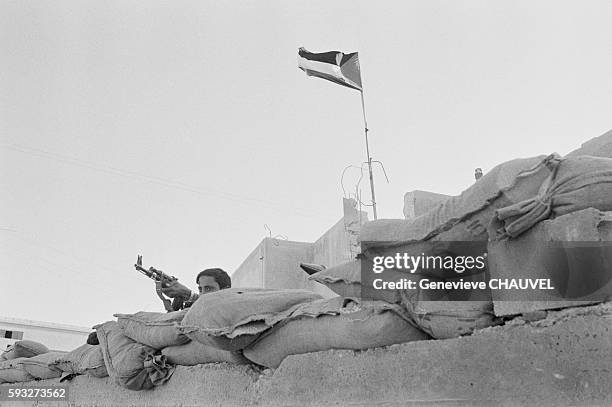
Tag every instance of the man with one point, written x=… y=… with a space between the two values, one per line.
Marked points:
x=208 y=281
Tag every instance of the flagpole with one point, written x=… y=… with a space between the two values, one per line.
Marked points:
x=365 y=123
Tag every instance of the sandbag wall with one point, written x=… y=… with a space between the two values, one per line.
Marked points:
x=269 y=325
x=263 y=326
x=240 y=326
x=508 y=201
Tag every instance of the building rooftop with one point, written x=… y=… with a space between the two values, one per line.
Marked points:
x=41 y=324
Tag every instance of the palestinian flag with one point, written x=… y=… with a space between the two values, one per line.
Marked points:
x=334 y=66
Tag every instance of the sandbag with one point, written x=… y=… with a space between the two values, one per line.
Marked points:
x=43 y=365
x=155 y=329
x=345 y=280
x=233 y=318
x=24 y=349
x=599 y=147
x=465 y=217
x=86 y=359
x=577 y=183
x=195 y=353
x=130 y=364
x=12 y=371
x=572 y=252
x=453 y=319
x=335 y=323
x=443 y=315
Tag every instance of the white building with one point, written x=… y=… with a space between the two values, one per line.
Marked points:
x=54 y=336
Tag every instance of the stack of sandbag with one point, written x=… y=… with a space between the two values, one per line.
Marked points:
x=440 y=314
x=560 y=234
x=28 y=360
x=231 y=319
x=465 y=217
x=23 y=349
x=154 y=329
x=84 y=360
x=459 y=226
x=337 y=323
x=12 y=371
x=598 y=147
x=576 y=183
x=195 y=353
x=43 y=366
x=573 y=252
x=130 y=364
x=345 y=280
x=161 y=331
x=505 y=203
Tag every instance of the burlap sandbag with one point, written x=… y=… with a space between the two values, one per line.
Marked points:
x=598 y=147
x=155 y=329
x=130 y=364
x=86 y=359
x=334 y=324
x=24 y=349
x=43 y=365
x=345 y=280
x=195 y=353
x=466 y=217
x=459 y=227
x=443 y=315
x=233 y=318
x=577 y=183
x=12 y=371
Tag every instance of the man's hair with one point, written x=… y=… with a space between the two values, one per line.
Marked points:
x=220 y=276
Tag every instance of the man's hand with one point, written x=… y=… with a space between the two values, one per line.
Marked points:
x=176 y=289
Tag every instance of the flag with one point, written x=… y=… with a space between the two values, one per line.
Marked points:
x=334 y=66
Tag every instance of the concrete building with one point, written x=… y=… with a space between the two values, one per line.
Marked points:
x=54 y=336
x=275 y=263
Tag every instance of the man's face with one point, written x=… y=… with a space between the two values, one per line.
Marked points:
x=207 y=284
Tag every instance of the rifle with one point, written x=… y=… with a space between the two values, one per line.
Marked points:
x=161 y=281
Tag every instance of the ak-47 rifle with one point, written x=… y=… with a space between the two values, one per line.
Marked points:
x=161 y=281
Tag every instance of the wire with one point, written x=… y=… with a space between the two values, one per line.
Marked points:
x=383 y=168
x=32 y=241
x=158 y=180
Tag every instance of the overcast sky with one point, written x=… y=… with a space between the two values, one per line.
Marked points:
x=178 y=129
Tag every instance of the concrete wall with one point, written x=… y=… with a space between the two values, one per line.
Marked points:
x=332 y=247
x=54 y=336
x=340 y=243
x=282 y=260
x=563 y=359
x=418 y=202
x=250 y=272
x=275 y=263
